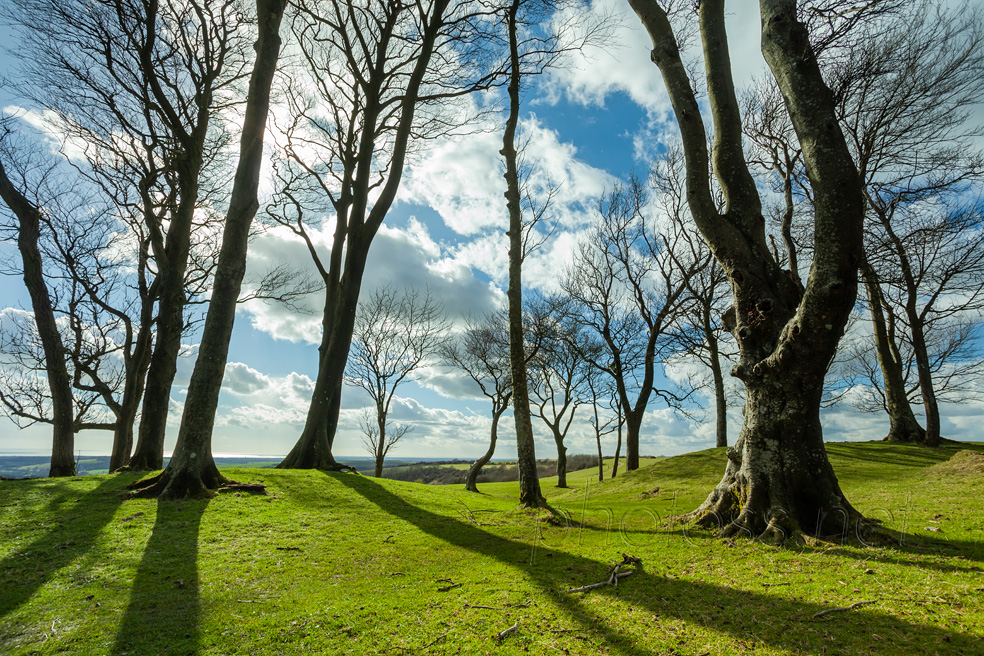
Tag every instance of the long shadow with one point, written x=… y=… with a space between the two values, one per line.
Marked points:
x=164 y=611
x=73 y=533
x=742 y=614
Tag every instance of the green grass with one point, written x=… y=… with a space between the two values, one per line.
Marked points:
x=345 y=564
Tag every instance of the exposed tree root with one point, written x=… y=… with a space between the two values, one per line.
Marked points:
x=183 y=484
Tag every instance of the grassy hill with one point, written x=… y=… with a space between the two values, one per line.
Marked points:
x=345 y=564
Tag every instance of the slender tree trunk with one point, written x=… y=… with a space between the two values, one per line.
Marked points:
x=618 y=451
x=191 y=470
x=561 y=459
x=633 y=426
x=601 y=464
x=149 y=454
x=903 y=426
x=59 y=381
x=380 y=444
x=923 y=367
x=720 y=402
x=471 y=482
x=313 y=447
x=133 y=388
x=529 y=483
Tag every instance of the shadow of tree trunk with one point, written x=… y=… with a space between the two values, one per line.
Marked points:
x=164 y=611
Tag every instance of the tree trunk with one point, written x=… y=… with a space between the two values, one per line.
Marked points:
x=149 y=454
x=780 y=446
x=133 y=388
x=59 y=381
x=633 y=425
x=529 y=483
x=601 y=464
x=903 y=426
x=926 y=389
x=561 y=459
x=720 y=400
x=618 y=451
x=471 y=482
x=313 y=447
x=778 y=482
x=191 y=470
x=381 y=441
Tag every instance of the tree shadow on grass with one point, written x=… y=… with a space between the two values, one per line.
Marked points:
x=747 y=616
x=73 y=532
x=164 y=611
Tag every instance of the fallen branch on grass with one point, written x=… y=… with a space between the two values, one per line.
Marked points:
x=835 y=610
x=512 y=629
x=614 y=575
x=243 y=487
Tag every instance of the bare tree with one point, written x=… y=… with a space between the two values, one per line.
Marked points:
x=29 y=221
x=138 y=85
x=482 y=352
x=191 y=470
x=778 y=480
x=626 y=288
x=379 y=76
x=395 y=333
x=378 y=439
x=559 y=384
x=699 y=332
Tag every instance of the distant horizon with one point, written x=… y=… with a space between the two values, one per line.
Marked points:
x=90 y=454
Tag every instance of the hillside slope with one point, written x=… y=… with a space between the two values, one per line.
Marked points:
x=340 y=563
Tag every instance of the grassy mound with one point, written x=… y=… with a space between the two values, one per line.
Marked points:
x=963 y=463
x=344 y=564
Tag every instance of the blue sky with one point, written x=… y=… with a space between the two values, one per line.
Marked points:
x=591 y=124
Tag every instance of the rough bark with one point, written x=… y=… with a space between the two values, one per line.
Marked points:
x=59 y=381
x=778 y=482
x=529 y=483
x=191 y=470
x=903 y=426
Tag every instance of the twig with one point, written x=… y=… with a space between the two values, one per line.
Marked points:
x=512 y=629
x=481 y=607
x=436 y=640
x=449 y=587
x=593 y=586
x=615 y=575
x=287 y=548
x=851 y=607
x=774 y=585
x=525 y=604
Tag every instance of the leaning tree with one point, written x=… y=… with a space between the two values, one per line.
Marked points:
x=778 y=481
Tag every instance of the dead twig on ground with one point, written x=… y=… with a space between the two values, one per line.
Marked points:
x=841 y=608
x=512 y=629
x=614 y=575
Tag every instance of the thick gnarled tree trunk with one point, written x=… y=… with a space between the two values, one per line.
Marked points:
x=778 y=483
